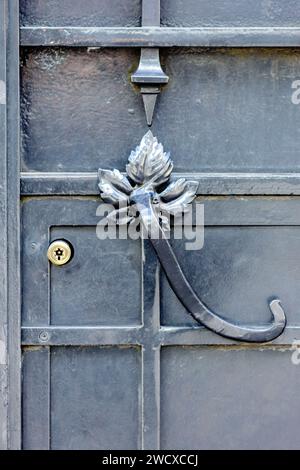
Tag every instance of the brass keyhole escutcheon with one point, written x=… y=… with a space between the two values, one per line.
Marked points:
x=59 y=252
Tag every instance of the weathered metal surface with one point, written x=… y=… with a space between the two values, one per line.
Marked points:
x=96 y=301
x=75 y=184
x=111 y=420
x=235 y=104
x=3 y=235
x=161 y=37
x=193 y=335
x=228 y=117
x=10 y=361
x=240 y=405
x=240 y=13
x=218 y=274
x=235 y=269
x=36 y=398
x=73 y=13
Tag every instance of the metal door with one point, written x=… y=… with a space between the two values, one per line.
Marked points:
x=110 y=358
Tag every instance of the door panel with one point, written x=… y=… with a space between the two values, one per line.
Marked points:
x=228 y=13
x=105 y=331
x=237 y=271
x=74 y=13
x=230 y=398
x=94 y=395
x=113 y=298
x=235 y=104
x=101 y=285
x=111 y=359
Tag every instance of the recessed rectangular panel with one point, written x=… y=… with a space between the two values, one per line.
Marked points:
x=95 y=398
x=229 y=399
x=80 y=110
x=223 y=110
x=228 y=13
x=80 y=13
x=237 y=272
x=101 y=285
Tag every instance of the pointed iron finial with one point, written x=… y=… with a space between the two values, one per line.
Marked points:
x=150 y=76
x=149 y=95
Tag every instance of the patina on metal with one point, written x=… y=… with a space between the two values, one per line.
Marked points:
x=149 y=169
x=149 y=74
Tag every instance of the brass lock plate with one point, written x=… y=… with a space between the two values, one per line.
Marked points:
x=59 y=252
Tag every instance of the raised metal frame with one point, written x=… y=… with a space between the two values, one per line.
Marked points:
x=10 y=309
x=73 y=184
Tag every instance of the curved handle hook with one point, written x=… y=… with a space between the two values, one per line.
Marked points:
x=185 y=293
x=148 y=168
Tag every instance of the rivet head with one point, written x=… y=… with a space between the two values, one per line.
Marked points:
x=44 y=336
x=59 y=252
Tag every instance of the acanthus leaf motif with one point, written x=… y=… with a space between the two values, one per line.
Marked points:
x=148 y=163
x=114 y=187
x=179 y=196
x=149 y=167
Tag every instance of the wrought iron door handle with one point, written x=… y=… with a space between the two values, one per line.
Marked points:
x=149 y=168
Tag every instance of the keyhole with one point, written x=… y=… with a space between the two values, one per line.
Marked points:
x=59 y=253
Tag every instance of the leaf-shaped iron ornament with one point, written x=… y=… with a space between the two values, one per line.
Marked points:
x=146 y=190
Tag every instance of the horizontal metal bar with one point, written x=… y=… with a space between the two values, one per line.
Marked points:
x=122 y=336
x=200 y=336
x=81 y=336
x=161 y=37
x=85 y=184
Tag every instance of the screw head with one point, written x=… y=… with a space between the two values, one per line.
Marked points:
x=44 y=336
x=59 y=252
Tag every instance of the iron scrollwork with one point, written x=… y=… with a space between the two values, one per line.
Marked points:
x=147 y=188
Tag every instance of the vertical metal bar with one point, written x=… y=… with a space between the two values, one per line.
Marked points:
x=3 y=233
x=151 y=13
x=150 y=350
x=13 y=227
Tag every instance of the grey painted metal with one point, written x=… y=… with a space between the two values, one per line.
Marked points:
x=10 y=361
x=3 y=235
x=36 y=368
x=38 y=309
x=80 y=212
x=252 y=95
x=106 y=424
x=81 y=335
x=109 y=423
x=173 y=12
x=148 y=172
x=113 y=368
x=161 y=37
x=86 y=184
x=13 y=225
x=150 y=405
x=70 y=13
x=193 y=335
x=236 y=406
x=240 y=13
x=149 y=76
